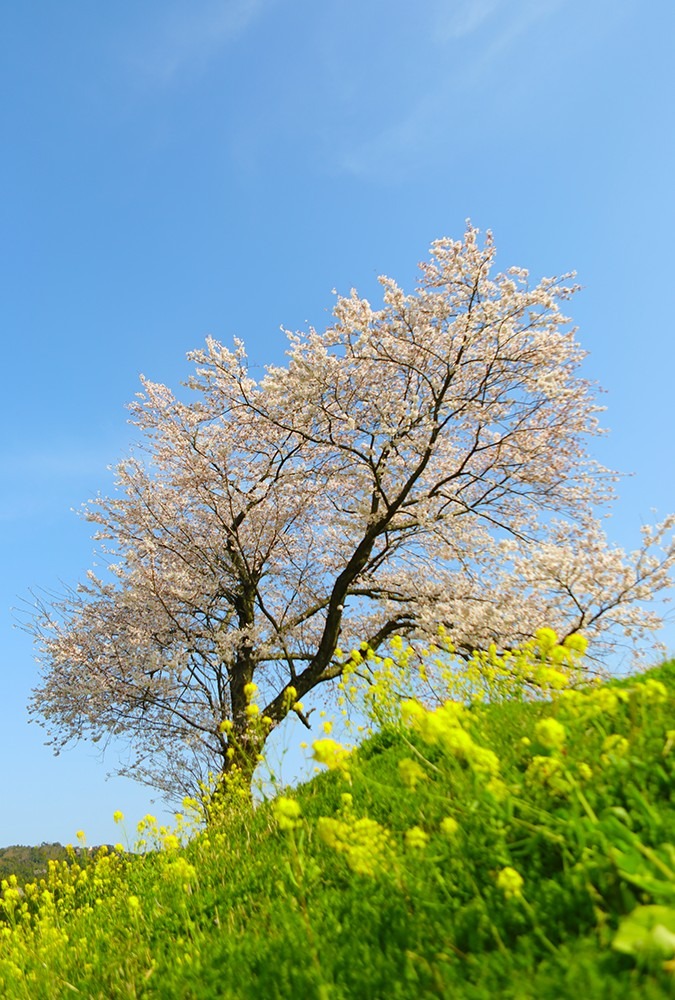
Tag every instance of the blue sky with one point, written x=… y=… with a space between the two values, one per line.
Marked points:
x=177 y=169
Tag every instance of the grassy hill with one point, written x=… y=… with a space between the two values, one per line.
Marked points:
x=514 y=850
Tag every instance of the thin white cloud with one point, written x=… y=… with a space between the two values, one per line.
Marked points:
x=463 y=17
x=523 y=18
x=190 y=35
x=392 y=151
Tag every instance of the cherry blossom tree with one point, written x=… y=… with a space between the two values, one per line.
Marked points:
x=419 y=464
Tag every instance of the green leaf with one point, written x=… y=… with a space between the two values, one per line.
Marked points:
x=647 y=930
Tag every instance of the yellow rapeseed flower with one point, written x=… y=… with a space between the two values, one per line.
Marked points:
x=653 y=691
x=331 y=753
x=449 y=826
x=365 y=844
x=287 y=812
x=614 y=745
x=546 y=640
x=577 y=643
x=549 y=677
x=181 y=871
x=416 y=838
x=550 y=733
x=497 y=789
x=549 y=773
x=411 y=772
x=510 y=882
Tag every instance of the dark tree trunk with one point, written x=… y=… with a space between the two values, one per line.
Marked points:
x=233 y=784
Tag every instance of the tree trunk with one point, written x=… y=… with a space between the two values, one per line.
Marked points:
x=232 y=790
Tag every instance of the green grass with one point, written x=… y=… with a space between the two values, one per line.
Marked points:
x=281 y=901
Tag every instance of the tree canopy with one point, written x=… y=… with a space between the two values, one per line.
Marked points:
x=417 y=464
